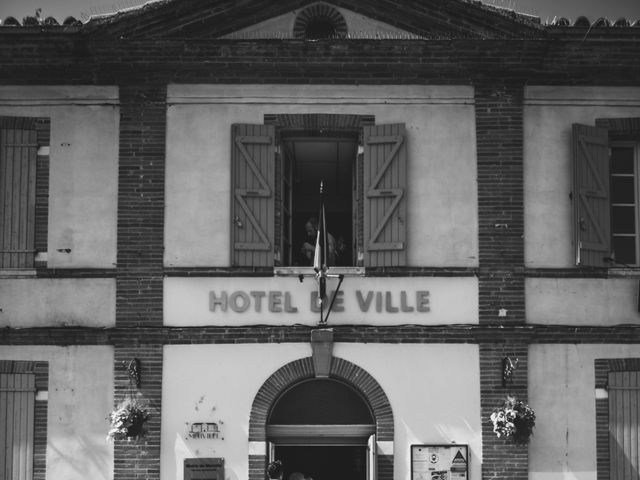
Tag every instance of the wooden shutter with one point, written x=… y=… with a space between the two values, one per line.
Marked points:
x=17 y=399
x=624 y=417
x=253 y=200
x=18 y=151
x=591 y=203
x=384 y=186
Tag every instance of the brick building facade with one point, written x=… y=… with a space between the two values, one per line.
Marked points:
x=480 y=174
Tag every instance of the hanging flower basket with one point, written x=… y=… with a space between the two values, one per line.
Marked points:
x=514 y=420
x=128 y=420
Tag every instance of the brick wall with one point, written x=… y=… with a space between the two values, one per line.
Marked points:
x=43 y=129
x=139 y=277
x=499 y=137
x=141 y=206
x=139 y=459
x=77 y=60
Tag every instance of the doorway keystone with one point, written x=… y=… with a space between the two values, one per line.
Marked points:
x=322 y=351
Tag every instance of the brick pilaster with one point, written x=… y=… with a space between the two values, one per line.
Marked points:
x=139 y=459
x=139 y=277
x=499 y=131
x=141 y=206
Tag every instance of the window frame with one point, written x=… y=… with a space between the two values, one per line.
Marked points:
x=261 y=178
x=635 y=145
x=609 y=132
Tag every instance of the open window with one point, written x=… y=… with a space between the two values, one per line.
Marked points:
x=606 y=192
x=277 y=169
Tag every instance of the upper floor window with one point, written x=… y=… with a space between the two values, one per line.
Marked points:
x=276 y=173
x=23 y=189
x=624 y=202
x=605 y=192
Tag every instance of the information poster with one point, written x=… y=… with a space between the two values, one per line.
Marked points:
x=439 y=462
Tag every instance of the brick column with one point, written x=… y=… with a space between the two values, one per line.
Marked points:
x=143 y=115
x=499 y=132
x=139 y=277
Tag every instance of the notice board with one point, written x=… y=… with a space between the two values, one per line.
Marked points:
x=439 y=462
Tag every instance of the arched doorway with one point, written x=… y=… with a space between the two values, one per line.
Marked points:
x=340 y=439
x=323 y=429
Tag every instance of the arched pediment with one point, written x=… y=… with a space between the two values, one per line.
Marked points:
x=296 y=19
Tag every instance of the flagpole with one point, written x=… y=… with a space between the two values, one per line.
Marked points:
x=319 y=257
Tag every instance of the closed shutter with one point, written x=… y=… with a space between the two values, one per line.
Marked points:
x=624 y=417
x=17 y=399
x=253 y=200
x=18 y=151
x=384 y=188
x=591 y=204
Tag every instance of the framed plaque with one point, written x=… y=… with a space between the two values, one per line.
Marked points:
x=204 y=469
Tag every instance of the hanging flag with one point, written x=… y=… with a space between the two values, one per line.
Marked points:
x=320 y=254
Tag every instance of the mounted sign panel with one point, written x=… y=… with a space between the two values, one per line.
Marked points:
x=439 y=462
x=204 y=469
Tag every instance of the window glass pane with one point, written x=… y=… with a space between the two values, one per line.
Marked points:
x=624 y=249
x=623 y=219
x=622 y=190
x=622 y=160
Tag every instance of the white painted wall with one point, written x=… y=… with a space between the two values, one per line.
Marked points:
x=442 y=191
x=434 y=391
x=548 y=115
x=581 y=301
x=42 y=302
x=562 y=393
x=83 y=182
x=80 y=398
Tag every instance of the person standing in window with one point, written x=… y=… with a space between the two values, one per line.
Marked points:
x=309 y=246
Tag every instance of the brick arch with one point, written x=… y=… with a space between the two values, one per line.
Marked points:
x=319 y=11
x=299 y=370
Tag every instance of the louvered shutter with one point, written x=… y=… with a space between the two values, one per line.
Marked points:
x=591 y=203
x=253 y=200
x=624 y=419
x=384 y=189
x=18 y=151
x=17 y=400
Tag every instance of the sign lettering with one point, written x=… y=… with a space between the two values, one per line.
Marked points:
x=276 y=301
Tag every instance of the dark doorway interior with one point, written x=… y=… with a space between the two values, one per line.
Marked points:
x=324 y=462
